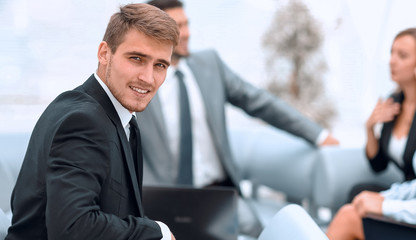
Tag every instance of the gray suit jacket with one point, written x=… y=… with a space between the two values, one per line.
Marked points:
x=218 y=85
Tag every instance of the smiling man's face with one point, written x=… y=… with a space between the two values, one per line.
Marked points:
x=136 y=70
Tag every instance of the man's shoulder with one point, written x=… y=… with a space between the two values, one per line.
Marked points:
x=79 y=99
x=74 y=103
x=77 y=111
x=204 y=53
x=75 y=100
x=203 y=57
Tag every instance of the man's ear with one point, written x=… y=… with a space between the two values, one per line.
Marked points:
x=104 y=52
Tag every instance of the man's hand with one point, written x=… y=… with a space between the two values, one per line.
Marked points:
x=330 y=140
x=368 y=202
x=173 y=237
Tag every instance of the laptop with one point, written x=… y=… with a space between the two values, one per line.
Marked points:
x=191 y=213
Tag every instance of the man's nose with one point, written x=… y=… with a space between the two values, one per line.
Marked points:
x=146 y=74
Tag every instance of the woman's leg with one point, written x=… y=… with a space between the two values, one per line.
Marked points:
x=346 y=225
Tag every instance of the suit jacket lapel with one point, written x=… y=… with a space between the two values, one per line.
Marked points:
x=410 y=148
x=94 y=89
x=155 y=109
x=157 y=127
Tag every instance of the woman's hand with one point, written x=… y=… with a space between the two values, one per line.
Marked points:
x=368 y=202
x=384 y=111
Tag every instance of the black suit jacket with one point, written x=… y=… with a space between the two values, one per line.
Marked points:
x=78 y=180
x=382 y=159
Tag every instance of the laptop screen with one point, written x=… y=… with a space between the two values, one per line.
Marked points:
x=190 y=213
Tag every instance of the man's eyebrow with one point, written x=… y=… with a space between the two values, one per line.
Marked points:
x=135 y=53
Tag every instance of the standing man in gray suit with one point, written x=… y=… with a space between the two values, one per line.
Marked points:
x=192 y=148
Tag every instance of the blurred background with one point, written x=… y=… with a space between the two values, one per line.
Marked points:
x=49 y=46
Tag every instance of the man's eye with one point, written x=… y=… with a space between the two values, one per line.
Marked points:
x=161 y=65
x=402 y=55
x=136 y=58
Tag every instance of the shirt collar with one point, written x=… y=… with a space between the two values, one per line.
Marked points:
x=122 y=112
x=182 y=65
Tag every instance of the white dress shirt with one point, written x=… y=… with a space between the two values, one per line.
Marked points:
x=125 y=117
x=322 y=137
x=396 y=149
x=207 y=167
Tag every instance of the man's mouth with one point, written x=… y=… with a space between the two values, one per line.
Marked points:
x=142 y=91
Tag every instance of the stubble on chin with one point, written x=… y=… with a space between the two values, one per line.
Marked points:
x=120 y=95
x=113 y=89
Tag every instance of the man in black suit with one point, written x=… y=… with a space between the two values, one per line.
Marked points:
x=78 y=179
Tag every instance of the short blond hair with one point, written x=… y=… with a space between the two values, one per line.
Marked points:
x=145 y=18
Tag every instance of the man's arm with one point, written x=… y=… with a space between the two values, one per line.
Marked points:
x=326 y=139
x=262 y=104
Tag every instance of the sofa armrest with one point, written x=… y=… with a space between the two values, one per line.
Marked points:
x=292 y=222
x=339 y=169
x=276 y=159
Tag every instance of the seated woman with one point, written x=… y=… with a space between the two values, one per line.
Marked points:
x=396 y=144
x=396 y=114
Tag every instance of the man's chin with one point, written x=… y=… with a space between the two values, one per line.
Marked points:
x=135 y=107
x=141 y=107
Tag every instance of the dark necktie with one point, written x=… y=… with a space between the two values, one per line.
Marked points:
x=185 y=149
x=135 y=145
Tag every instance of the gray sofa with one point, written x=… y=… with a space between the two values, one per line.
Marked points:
x=321 y=177
x=267 y=157
x=12 y=150
x=338 y=169
x=275 y=159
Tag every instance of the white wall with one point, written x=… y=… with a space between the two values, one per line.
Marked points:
x=49 y=46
